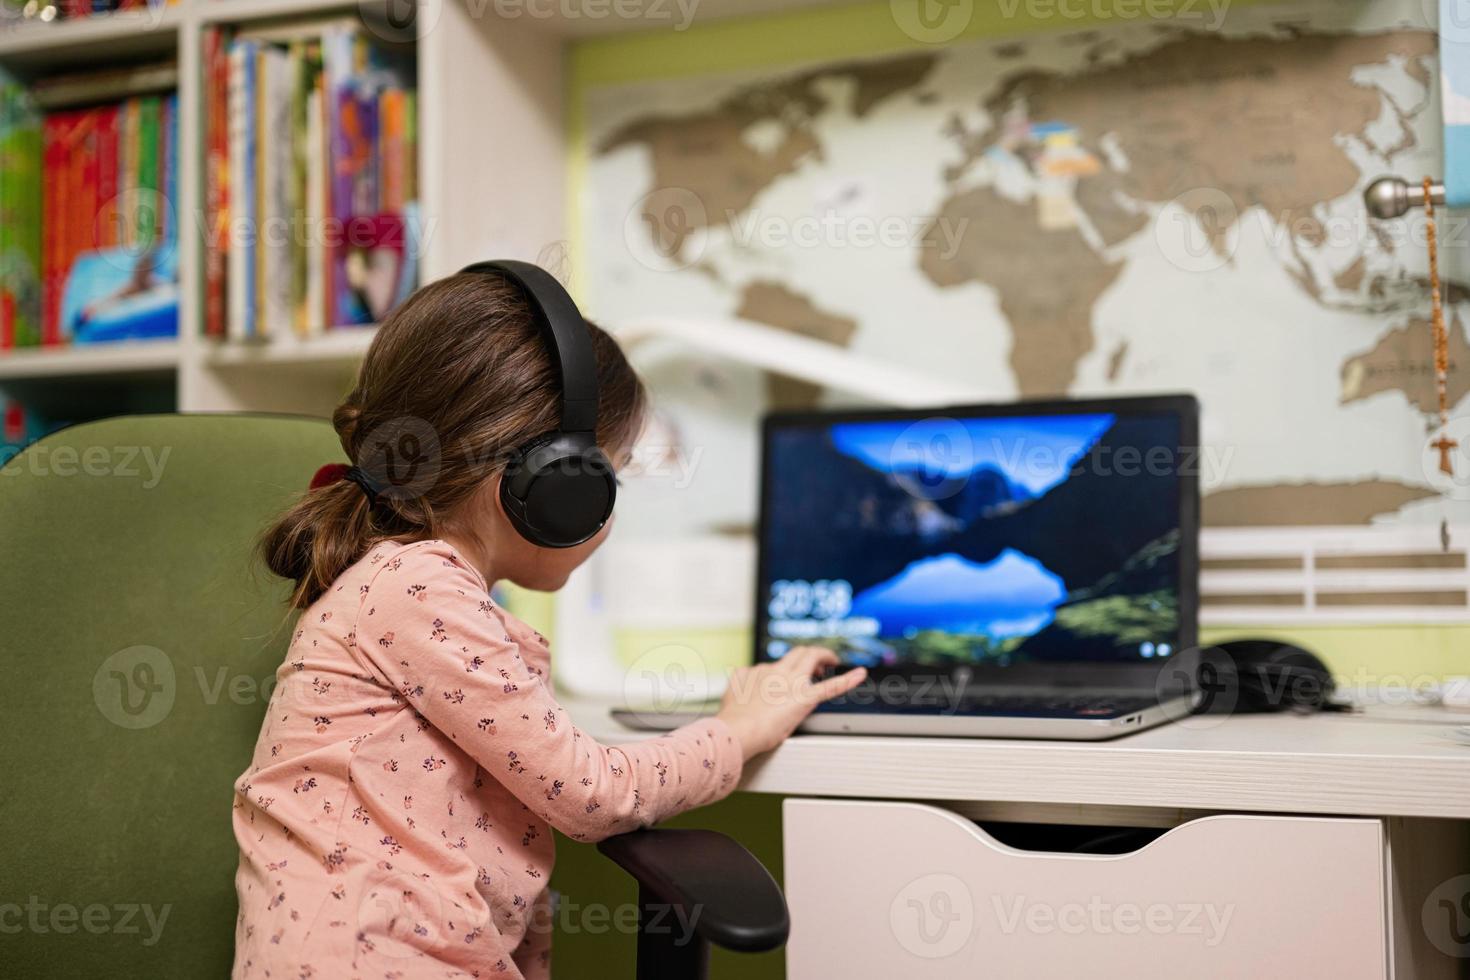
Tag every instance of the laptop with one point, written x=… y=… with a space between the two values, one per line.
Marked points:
x=1027 y=570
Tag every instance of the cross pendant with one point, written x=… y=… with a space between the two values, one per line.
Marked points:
x=1444 y=444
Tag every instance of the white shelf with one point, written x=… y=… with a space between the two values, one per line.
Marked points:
x=128 y=358
x=243 y=11
x=31 y=46
x=339 y=347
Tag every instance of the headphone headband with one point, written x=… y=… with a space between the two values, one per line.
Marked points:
x=566 y=337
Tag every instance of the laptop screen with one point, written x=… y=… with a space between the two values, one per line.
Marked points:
x=985 y=537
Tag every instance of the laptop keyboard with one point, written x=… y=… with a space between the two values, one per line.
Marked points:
x=1009 y=704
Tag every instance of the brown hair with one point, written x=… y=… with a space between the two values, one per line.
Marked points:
x=456 y=378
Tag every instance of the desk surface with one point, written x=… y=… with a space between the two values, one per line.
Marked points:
x=1384 y=762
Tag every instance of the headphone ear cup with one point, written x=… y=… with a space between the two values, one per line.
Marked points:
x=558 y=491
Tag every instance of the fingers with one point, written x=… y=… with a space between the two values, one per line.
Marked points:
x=806 y=661
x=835 y=686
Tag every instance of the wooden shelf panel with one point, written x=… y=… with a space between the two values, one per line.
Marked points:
x=32 y=47
x=128 y=358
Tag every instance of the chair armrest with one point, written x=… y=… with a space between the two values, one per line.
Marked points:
x=714 y=884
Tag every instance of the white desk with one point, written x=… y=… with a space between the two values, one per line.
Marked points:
x=1385 y=762
x=1372 y=824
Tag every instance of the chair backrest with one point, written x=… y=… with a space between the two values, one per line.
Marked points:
x=139 y=642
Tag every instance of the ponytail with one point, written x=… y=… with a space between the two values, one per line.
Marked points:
x=318 y=539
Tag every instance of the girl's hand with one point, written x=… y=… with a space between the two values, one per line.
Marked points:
x=765 y=703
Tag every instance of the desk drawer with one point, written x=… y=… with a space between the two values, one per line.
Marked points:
x=881 y=889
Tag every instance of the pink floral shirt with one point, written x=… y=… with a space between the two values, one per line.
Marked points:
x=395 y=820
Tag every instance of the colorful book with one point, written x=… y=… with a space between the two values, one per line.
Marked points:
x=216 y=180
x=20 y=217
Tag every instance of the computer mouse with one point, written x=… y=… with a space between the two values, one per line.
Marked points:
x=1262 y=674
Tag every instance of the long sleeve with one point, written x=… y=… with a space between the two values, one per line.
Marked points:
x=430 y=631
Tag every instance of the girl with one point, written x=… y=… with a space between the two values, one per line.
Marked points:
x=396 y=818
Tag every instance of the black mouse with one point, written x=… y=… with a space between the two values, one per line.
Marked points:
x=1259 y=674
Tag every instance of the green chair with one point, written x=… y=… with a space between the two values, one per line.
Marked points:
x=140 y=645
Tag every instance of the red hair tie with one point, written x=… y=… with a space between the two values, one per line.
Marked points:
x=329 y=474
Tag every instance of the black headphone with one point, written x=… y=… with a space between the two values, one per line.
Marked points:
x=558 y=489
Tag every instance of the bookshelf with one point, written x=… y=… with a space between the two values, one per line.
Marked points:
x=492 y=170
x=493 y=189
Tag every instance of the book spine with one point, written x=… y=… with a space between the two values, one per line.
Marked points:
x=26 y=236
x=169 y=127
x=336 y=69
x=9 y=215
x=411 y=148
x=9 y=275
x=216 y=166
x=146 y=219
x=50 y=179
x=241 y=261
x=316 y=210
x=130 y=123
x=279 y=254
x=300 y=79
x=391 y=150
x=108 y=233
